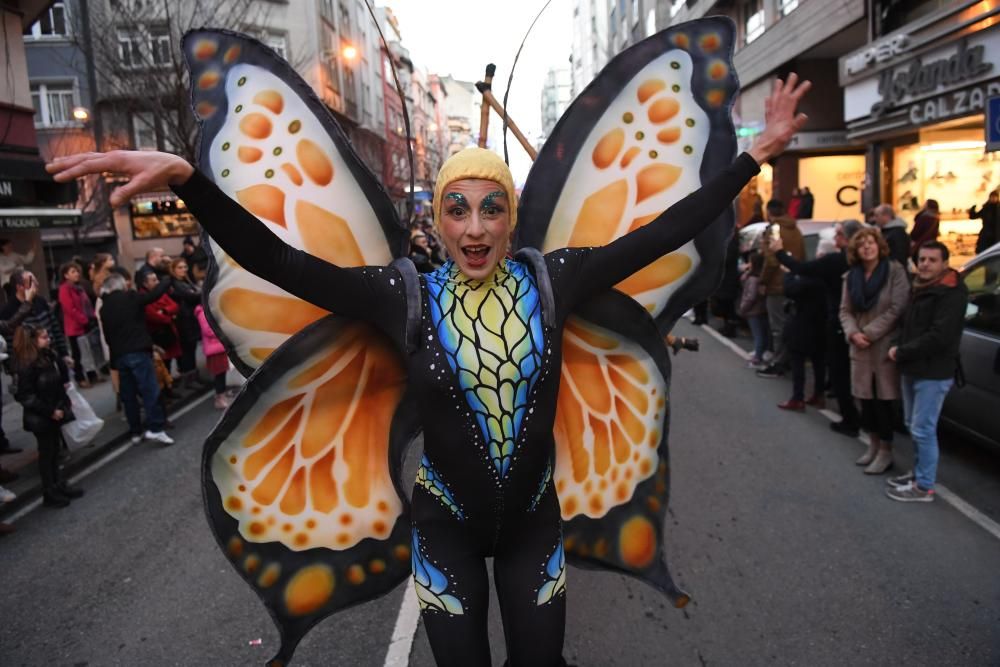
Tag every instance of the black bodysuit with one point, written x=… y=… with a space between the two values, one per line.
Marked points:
x=486 y=374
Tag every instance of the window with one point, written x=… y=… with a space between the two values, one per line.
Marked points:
x=635 y=11
x=786 y=7
x=144 y=131
x=53 y=103
x=159 y=46
x=754 y=25
x=129 y=49
x=52 y=23
x=277 y=42
x=675 y=7
x=983 y=310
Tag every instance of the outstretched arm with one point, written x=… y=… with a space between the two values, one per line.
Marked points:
x=603 y=267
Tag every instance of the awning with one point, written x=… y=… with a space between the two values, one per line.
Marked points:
x=15 y=219
x=24 y=182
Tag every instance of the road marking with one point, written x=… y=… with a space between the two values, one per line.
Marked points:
x=946 y=494
x=108 y=458
x=398 y=654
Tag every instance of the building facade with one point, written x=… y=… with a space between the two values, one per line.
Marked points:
x=556 y=96
x=591 y=49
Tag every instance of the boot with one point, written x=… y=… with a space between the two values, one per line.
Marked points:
x=869 y=455
x=55 y=499
x=71 y=492
x=882 y=461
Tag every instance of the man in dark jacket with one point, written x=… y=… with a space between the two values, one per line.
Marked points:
x=927 y=354
x=123 y=320
x=894 y=232
x=772 y=282
x=990 y=215
x=830 y=269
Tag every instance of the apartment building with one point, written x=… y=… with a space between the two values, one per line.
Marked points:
x=556 y=96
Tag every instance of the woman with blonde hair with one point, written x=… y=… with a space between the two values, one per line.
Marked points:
x=875 y=294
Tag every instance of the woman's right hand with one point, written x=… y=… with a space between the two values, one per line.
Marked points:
x=860 y=340
x=57 y=415
x=147 y=170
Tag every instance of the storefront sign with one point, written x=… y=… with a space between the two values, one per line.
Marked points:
x=803 y=141
x=878 y=53
x=952 y=105
x=13 y=219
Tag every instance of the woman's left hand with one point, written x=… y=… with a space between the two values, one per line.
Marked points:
x=780 y=118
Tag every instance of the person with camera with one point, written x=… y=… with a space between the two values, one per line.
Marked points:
x=772 y=282
x=990 y=215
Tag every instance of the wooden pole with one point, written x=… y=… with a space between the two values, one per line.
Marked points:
x=484 y=109
x=497 y=107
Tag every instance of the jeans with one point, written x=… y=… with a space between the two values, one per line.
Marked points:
x=137 y=376
x=922 y=403
x=776 y=317
x=758 y=327
x=49 y=442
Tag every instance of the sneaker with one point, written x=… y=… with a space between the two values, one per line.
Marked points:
x=136 y=438
x=901 y=480
x=755 y=363
x=221 y=402
x=7 y=496
x=159 y=436
x=771 y=372
x=911 y=493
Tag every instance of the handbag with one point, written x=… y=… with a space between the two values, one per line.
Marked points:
x=86 y=424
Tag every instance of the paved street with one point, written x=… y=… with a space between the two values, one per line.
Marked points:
x=792 y=555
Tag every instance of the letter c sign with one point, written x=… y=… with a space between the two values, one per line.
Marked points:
x=842 y=195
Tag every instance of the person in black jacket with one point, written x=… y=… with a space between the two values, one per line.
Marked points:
x=830 y=269
x=894 y=232
x=187 y=296
x=927 y=354
x=990 y=215
x=123 y=320
x=42 y=377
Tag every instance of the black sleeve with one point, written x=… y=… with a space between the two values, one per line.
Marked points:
x=373 y=294
x=581 y=272
x=146 y=298
x=815 y=268
x=7 y=326
x=56 y=332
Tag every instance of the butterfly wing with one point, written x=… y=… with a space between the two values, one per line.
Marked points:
x=271 y=144
x=298 y=484
x=612 y=473
x=651 y=128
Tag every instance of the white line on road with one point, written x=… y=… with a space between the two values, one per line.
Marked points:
x=398 y=654
x=108 y=458
x=945 y=494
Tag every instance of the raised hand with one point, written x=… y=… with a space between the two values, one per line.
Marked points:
x=148 y=171
x=780 y=118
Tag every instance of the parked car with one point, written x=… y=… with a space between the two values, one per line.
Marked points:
x=974 y=409
x=813 y=231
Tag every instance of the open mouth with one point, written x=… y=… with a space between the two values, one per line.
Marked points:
x=476 y=254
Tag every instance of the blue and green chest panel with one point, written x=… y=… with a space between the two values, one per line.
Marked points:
x=491 y=332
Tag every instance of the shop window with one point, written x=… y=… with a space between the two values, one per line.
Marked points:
x=983 y=283
x=53 y=103
x=159 y=46
x=144 y=131
x=161 y=215
x=52 y=23
x=753 y=26
x=786 y=7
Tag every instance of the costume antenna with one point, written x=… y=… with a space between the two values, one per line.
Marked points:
x=511 y=78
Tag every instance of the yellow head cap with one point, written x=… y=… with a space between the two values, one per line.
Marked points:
x=475 y=163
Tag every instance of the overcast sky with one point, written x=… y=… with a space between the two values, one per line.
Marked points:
x=461 y=38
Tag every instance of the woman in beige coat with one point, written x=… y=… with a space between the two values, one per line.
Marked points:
x=876 y=292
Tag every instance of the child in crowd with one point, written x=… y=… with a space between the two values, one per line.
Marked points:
x=215 y=358
x=753 y=308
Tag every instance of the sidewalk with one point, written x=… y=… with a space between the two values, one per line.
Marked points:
x=115 y=431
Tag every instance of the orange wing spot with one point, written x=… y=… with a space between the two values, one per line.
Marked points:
x=637 y=542
x=654 y=439
x=346 y=519
x=255 y=510
x=661 y=486
x=599 y=216
x=309 y=589
x=234 y=504
x=560 y=486
x=382 y=506
x=585 y=369
x=356 y=575
x=343 y=538
x=366 y=440
x=333 y=400
x=270 y=421
x=635 y=456
x=717 y=70
x=568 y=431
x=235 y=547
x=267 y=312
x=242 y=487
x=590 y=337
x=715 y=97
x=301 y=539
x=681 y=40
x=669 y=135
x=270 y=99
x=256 y=126
x=663 y=271
x=596 y=503
x=662 y=468
x=649 y=88
x=602 y=445
x=264 y=201
x=267 y=491
x=654 y=179
x=377 y=566
x=232 y=53
x=205 y=109
x=282 y=440
x=317 y=370
x=269 y=577
x=257 y=528
x=233 y=460
x=635 y=396
x=209 y=79
x=603 y=486
x=663 y=109
x=588 y=486
x=608 y=147
x=311 y=524
x=569 y=506
x=653 y=503
x=620 y=444
x=630 y=365
x=327 y=236
x=709 y=42
x=314 y=162
x=249 y=154
x=379 y=527
x=621 y=492
x=629 y=156
x=251 y=564
x=294 y=500
x=632 y=423
x=601 y=548
x=401 y=552
x=322 y=486
x=614 y=474
x=204 y=49
x=293 y=174
x=628 y=474
x=645 y=467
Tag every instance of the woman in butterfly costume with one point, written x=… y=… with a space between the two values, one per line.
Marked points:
x=540 y=392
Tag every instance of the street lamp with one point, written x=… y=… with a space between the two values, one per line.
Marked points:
x=349 y=52
x=81 y=114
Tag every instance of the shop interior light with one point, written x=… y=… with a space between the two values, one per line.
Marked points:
x=954 y=146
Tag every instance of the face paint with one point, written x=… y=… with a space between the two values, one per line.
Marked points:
x=490 y=202
x=458 y=198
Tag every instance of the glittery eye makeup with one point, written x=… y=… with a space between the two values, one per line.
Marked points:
x=457 y=200
x=490 y=201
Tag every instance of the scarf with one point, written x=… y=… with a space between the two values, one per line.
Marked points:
x=864 y=294
x=948 y=279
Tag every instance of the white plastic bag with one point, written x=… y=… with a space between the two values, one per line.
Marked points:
x=87 y=424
